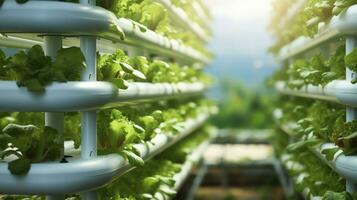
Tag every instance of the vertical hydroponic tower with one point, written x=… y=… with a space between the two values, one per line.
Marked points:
x=94 y=89
x=316 y=46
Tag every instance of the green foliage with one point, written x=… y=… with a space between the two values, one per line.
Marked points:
x=156 y=176
x=310 y=173
x=35 y=71
x=149 y=14
x=316 y=71
x=117 y=131
x=29 y=144
x=243 y=107
x=351 y=62
x=120 y=69
x=319 y=120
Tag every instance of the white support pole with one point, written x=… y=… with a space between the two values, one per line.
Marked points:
x=89 y=119
x=53 y=119
x=351 y=113
x=89 y=128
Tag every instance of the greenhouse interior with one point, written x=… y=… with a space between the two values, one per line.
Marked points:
x=178 y=99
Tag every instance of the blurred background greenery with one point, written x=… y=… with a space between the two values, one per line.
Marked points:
x=244 y=107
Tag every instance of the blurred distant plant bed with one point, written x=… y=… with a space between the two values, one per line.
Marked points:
x=243 y=136
x=244 y=107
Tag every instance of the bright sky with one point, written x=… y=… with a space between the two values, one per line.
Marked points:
x=241 y=39
x=240 y=26
x=240 y=9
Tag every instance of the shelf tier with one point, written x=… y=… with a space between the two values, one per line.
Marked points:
x=192 y=159
x=186 y=169
x=341 y=25
x=85 y=174
x=200 y=12
x=291 y=13
x=306 y=191
x=339 y=91
x=82 y=96
x=73 y=20
x=180 y=18
x=343 y=165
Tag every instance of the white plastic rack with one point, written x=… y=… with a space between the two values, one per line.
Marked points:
x=344 y=165
x=340 y=91
x=343 y=25
x=54 y=24
x=68 y=19
x=85 y=174
x=180 y=17
x=82 y=96
x=186 y=168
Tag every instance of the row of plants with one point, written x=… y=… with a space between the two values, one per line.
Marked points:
x=317 y=70
x=154 y=16
x=156 y=178
x=311 y=177
x=118 y=68
x=24 y=139
x=148 y=14
x=316 y=122
x=304 y=125
x=153 y=179
x=306 y=20
x=33 y=70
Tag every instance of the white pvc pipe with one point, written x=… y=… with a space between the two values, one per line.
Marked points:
x=55 y=120
x=89 y=119
x=351 y=113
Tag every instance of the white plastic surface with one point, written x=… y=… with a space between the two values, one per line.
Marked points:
x=54 y=17
x=138 y=92
x=61 y=178
x=343 y=165
x=85 y=174
x=70 y=96
x=342 y=25
x=340 y=91
x=83 y=96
